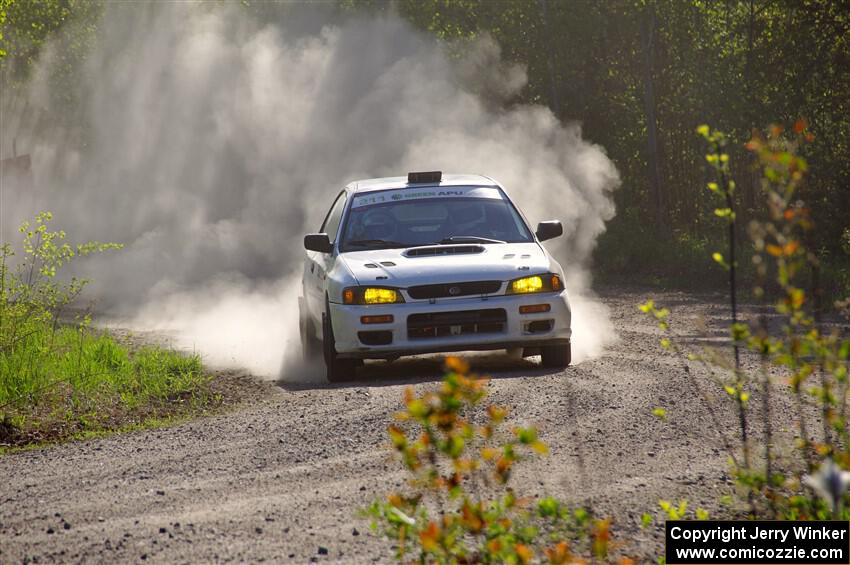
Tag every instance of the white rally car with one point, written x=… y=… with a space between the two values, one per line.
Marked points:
x=430 y=263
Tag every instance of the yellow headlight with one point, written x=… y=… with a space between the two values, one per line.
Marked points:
x=379 y=296
x=526 y=285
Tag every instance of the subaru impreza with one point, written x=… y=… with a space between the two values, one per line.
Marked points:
x=430 y=263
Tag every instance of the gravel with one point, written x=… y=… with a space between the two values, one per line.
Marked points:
x=282 y=476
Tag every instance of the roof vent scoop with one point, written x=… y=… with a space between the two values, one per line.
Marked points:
x=423 y=177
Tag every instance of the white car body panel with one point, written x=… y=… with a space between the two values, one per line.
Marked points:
x=346 y=324
x=498 y=261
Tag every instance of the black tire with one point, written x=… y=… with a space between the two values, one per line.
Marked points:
x=311 y=346
x=556 y=356
x=338 y=370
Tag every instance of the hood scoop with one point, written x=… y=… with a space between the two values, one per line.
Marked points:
x=375 y=266
x=435 y=250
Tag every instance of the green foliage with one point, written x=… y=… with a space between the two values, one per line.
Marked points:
x=738 y=64
x=59 y=378
x=811 y=357
x=56 y=36
x=34 y=287
x=29 y=25
x=631 y=252
x=4 y=7
x=460 y=507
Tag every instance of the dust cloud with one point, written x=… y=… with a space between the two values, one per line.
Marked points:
x=209 y=142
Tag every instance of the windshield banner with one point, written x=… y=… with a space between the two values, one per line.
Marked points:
x=405 y=194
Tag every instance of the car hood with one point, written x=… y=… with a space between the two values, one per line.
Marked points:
x=446 y=263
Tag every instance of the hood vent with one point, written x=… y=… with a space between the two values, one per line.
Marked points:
x=430 y=251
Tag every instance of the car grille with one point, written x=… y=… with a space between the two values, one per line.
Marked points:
x=426 y=291
x=465 y=322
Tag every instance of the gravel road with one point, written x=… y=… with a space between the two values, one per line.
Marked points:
x=282 y=476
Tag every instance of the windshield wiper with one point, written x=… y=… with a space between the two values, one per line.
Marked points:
x=371 y=242
x=469 y=239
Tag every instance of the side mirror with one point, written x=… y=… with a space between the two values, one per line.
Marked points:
x=549 y=230
x=318 y=242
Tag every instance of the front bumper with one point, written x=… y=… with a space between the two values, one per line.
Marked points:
x=516 y=330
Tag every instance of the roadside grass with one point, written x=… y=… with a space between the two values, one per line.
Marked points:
x=66 y=382
x=62 y=380
x=150 y=423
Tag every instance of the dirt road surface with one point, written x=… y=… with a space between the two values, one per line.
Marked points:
x=281 y=477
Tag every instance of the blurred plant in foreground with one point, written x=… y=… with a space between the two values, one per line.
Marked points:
x=789 y=339
x=459 y=507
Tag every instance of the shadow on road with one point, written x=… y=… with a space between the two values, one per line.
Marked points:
x=423 y=369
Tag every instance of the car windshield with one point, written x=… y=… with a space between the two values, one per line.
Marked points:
x=433 y=215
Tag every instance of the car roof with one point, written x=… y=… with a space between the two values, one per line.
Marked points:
x=386 y=183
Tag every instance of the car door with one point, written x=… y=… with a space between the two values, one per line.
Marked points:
x=320 y=264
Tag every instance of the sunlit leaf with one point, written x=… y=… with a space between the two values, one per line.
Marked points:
x=718 y=258
x=540 y=447
x=797 y=296
x=559 y=554
x=526 y=435
x=548 y=507
x=524 y=553
x=397 y=436
x=774 y=250
x=457 y=365
x=429 y=536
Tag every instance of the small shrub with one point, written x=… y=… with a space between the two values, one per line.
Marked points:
x=812 y=357
x=460 y=506
x=60 y=378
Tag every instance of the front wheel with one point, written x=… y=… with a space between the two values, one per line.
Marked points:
x=311 y=347
x=556 y=356
x=338 y=370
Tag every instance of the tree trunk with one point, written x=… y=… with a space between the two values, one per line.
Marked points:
x=649 y=30
x=554 y=99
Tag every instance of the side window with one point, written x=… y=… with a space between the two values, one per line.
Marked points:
x=331 y=223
